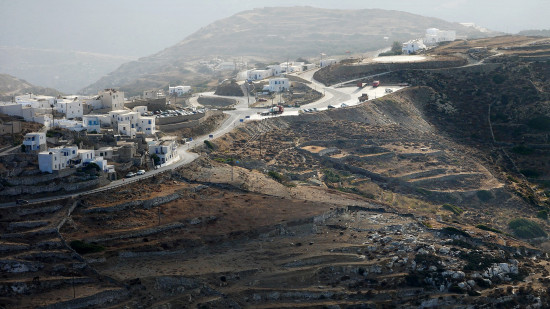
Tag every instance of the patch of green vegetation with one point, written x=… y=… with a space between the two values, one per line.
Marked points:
x=82 y=247
x=540 y=123
x=209 y=144
x=522 y=150
x=484 y=195
x=530 y=173
x=524 y=228
x=543 y=214
x=275 y=175
x=477 y=261
x=155 y=158
x=454 y=231
x=452 y=208
x=332 y=176
x=512 y=179
x=488 y=228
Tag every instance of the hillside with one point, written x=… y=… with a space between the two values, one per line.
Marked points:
x=11 y=86
x=275 y=34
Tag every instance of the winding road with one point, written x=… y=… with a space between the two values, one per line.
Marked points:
x=332 y=96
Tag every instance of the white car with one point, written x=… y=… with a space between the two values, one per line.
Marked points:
x=130 y=175
x=140 y=172
x=388 y=90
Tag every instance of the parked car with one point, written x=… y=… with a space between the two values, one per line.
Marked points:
x=21 y=202
x=330 y=106
x=130 y=175
x=344 y=105
x=262 y=100
x=388 y=90
x=140 y=172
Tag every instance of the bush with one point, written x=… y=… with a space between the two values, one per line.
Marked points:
x=82 y=247
x=484 y=195
x=331 y=176
x=498 y=79
x=543 y=214
x=275 y=175
x=452 y=208
x=454 y=231
x=488 y=228
x=155 y=158
x=530 y=173
x=524 y=228
x=209 y=144
x=477 y=261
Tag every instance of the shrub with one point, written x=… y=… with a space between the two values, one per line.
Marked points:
x=461 y=243
x=477 y=261
x=524 y=228
x=452 y=208
x=484 y=195
x=454 y=231
x=331 y=176
x=498 y=79
x=488 y=228
x=155 y=158
x=209 y=144
x=543 y=214
x=82 y=247
x=275 y=175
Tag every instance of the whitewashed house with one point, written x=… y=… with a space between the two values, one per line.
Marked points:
x=35 y=142
x=60 y=158
x=112 y=99
x=167 y=151
x=92 y=123
x=146 y=125
x=279 y=84
x=105 y=152
x=412 y=47
x=435 y=36
x=260 y=74
x=276 y=69
x=179 y=90
x=71 y=108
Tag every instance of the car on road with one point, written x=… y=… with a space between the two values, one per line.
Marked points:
x=330 y=106
x=130 y=175
x=21 y=202
x=389 y=90
x=262 y=100
x=344 y=105
x=140 y=172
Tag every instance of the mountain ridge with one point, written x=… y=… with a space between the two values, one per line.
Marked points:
x=276 y=33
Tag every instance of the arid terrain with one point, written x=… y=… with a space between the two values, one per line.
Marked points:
x=419 y=199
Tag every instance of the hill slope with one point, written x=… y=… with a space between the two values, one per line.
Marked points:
x=11 y=86
x=277 y=34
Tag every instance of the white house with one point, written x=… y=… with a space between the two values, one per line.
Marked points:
x=434 y=36
x=105 y=152
x=35 y=141
x=92 y=123
x=276 y=69
x=146 y=125
x=260 y=74
x=153 y=94
x=112 y=99
x=59 y=158
x=71 y=108
x=327 y=62
x=179 y=90
x=279 y=84
x=412 y=46
x=140 y=109
x=165 y=150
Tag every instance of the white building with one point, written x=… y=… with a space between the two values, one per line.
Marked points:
x=276 y=69
x=167 y=151
x=146 y=125
x=153 y=94
x=279 y=84
x=179 y=90
x=112 y=99
x=59 y=158
x=92 y=123
x=327 y=62
x=35 y=141
x=412 y=46
x=260 y=74
x=105 y=152
x=71 y=108
x=435 y=36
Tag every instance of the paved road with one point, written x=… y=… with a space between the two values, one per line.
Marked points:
x=332 y=96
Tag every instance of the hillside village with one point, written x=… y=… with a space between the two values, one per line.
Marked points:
x=343 y=183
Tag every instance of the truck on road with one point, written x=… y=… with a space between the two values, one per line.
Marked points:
x=276 y=110
x=364 y=97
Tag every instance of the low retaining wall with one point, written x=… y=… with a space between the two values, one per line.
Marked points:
x=171 y=124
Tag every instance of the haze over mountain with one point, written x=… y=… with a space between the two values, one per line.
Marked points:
x=276 y=34
x=11 y=86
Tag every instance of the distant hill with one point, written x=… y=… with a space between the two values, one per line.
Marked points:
x=65 y=70
x=277 y=34
x=11 y=86
x=543 y=32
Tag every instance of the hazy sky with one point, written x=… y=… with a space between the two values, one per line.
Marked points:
x=143 y=27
